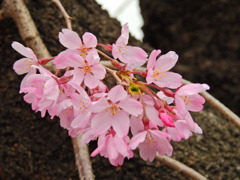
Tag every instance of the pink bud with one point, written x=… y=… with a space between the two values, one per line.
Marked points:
x=166 y=119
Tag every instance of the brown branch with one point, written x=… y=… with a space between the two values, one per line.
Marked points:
x=30 y=35
x=27 y=29
x=64 y=12
x=180 y=167
x=82 y=159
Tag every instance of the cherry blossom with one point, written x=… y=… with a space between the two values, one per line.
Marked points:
x=157 y=70
x=128 y=54
x=113 y=111
x=149 y=140
x=24 y=65
x=123 y=113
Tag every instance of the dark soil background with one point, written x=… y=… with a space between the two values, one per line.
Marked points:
x=36 y=148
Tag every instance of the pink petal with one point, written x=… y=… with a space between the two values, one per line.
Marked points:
x=172 y=131
x=183 y=129
x=164 y=147
x=81 y=121
x=170 y=80
x=69 y=39
x=88 y=136
x=51 y=89
x=101 y=122
x=89 y=40
x=111 y=150
x=98 y=71
x=152 y=59
x=195 y=103
x=120 y=123
x=131 y=106
x=117 y=93
x=120 y=145
x=136 y=125
x=36 y=80
x=167 y=61
x=153 y=115
x=98 y=150
x=123 y=39
x=23 y=66
x=197 y=129
x=27 y=52
x=78 y=76
x=191 y=89
x=91 y=81
x=99 y=105
x=150 y=77
x=92 y=58
x=115 y=52
x=68 y=58
x=137 y=139
x=147 y=151
x=133 y=55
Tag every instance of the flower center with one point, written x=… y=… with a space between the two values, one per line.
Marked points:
x=157 y=74
x=83 y=106
x=28 y=63
x=87 y=69
x=113 y=109
x=122 y=48
x=186 y=100
x=83 y=50
x=150 y=139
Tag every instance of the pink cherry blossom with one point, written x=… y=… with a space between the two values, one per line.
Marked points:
x=128 y=54
x=157 y=70
x=187 y=97
x=113 y=111
x=181 y=130
x=71 y=40
x=24 y=65
x=149 y=140
x=89 y=71
x=113 y=147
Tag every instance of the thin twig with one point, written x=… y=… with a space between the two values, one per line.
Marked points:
x=64 y=12
x=114 y=74
x=180 y=167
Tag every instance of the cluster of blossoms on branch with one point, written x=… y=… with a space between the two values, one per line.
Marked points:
x=146 y=114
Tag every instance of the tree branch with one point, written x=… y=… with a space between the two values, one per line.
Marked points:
x=26 y=27
x=64 y=12
x=180 y=167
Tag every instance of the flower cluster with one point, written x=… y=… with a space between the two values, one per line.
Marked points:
x=146 y=114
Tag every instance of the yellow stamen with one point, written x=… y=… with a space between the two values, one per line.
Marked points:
x=186 y=100
x=87 y=69
x=157 y=74
x=150 y=140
